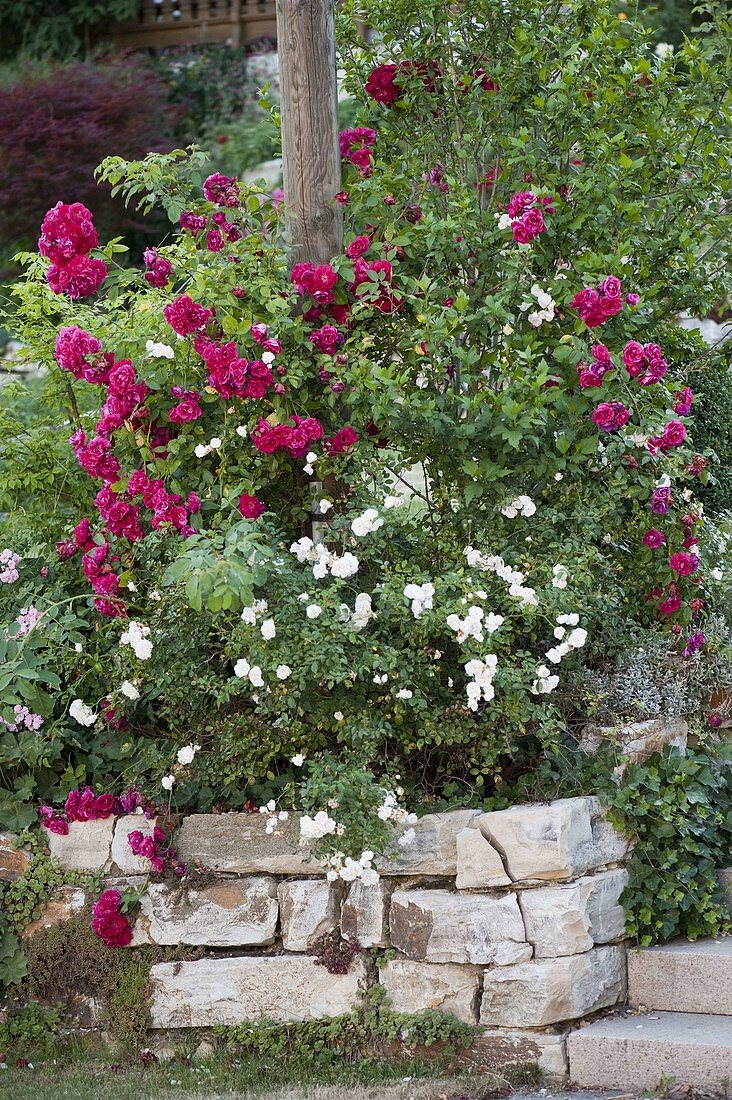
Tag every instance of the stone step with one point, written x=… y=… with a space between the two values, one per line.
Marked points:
x=683 y=976
x=639 y=1052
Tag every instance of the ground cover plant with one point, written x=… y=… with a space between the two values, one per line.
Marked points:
x=344 y=537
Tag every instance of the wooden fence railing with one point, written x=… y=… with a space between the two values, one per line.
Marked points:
x=182 y=22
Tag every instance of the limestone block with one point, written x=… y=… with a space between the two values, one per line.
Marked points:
x=639 y=740
x=608 y=844
x=498 y=1048
x=364 y=915
x=602 y=894
x=479 y=865
x=555 y=841
x=308 y=909
x=549 y=991
x=434 y=848
x=238 y=843
x=725 y=881
x=229 y=991
x=86 y=847
x=570 y=918
x=418 y=986
x=443 y=927
x=228 y=913
x=122 y=855
x=13 y=861
x=65 y=902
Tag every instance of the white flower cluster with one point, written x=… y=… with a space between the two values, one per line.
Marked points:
x=203 y=449
x=324 y=560
x=390 y=810
x=469 y=627
x=315 y=828
x=186 y=754
x=482 y=671
x=137 y=638
x=273 y=818
x=249 y=614
x=546 y=304
x=252 y=673
x=366 y=523
x=421 y=596
x=544 y=682
x=348 y=869
x=129 y=690
x=560 y=576
x=83 y=714
x=522 y=505
x=567 y=642
x=159 y=351
x=513 y=577
x=362 y=612
x=394 y=502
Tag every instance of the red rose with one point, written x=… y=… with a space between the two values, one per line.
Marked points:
x=251 y=507
x=381 y=85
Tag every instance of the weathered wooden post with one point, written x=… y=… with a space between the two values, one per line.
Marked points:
x=309 y=103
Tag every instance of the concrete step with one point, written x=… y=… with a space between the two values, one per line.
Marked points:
x=639 y=1052
x=683 y=976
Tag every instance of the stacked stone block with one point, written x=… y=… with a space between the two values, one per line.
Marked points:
x=509 y=919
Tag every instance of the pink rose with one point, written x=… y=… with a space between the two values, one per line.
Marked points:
x=654 y=538
x=250 y=506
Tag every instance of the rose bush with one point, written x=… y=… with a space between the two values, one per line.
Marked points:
x=350 y=525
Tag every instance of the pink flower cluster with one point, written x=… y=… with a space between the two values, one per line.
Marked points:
x=251 y=507
x=357 y=147
x=219 y=232
x=85 y=805
x=67 y=236
x=673 y=435
x=683 y=401
x=222 y=190
x=108 y=920
x=367 y=276
x=317 y=280
x=326 y=339
x=644 y=362
x=295 y=438
x=188 y=407
x=159 y=269
x=156 y=848
x=611 y=416
x=526 y=211
x=230 y=374
x=186 y=316
x=9 y=561
x=28 y=619
x=24 y=719
x=383 y=88
x=72 y=351
x=595 y=306
x=592 y=374
x=341 y=442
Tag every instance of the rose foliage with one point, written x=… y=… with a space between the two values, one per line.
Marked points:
x=353 y=524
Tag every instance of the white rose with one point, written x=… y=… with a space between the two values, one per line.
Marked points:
x=83 y=714
x=129 y=690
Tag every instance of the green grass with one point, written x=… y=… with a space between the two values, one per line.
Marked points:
x=259 y=1079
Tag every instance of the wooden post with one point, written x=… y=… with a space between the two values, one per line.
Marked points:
x=310 y=152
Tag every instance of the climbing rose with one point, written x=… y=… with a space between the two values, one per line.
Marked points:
x=185 y=316
x=683 y=564
x=108 y=922
x=610 y=416
x=188 y=407
x=159 y=269
x=223 y=190
x=251 y=507
x=78 y=278
x=683 y=401
x=654 y=538
x=67 y=231
x=381 y=84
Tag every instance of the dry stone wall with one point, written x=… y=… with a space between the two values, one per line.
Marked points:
x=510 y=920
